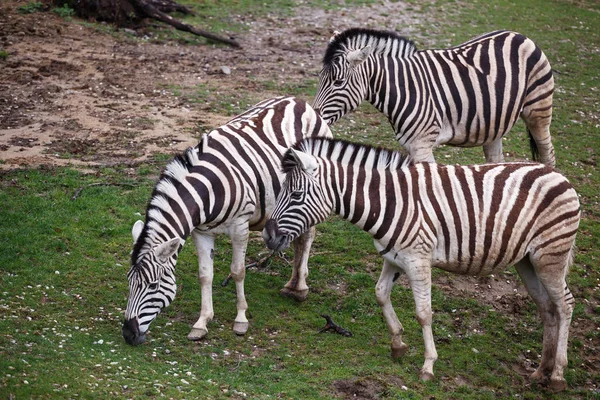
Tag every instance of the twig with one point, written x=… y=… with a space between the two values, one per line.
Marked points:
x=99 y=184
x=260 y=264
x=332 y=325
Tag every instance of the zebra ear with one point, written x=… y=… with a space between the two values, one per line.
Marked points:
x=136 y=230
x=355 y=57
x=335 y=35
x=165 y=250
x=307 y=162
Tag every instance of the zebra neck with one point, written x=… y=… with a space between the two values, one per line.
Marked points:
x=368 y=197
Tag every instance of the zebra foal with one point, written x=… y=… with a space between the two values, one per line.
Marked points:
x=471 y=220
x=227 y=184
x=468 y=95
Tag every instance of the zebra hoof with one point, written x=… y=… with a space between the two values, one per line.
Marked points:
x=399 y=351
x=557 y=385
x=240 y=328
x=197 y=334
x=298 y=295
x=426 y=376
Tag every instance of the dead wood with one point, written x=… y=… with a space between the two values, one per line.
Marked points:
x=330 y=325
x=130 y=12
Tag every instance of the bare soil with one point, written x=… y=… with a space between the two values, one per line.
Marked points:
x=71 y=94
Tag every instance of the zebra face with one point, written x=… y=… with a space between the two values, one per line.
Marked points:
x=300 y=205
x=152 y=287
x=342 y=85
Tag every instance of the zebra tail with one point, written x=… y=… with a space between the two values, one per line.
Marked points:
x=535 y=153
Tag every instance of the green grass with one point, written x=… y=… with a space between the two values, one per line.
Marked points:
x=63 y=262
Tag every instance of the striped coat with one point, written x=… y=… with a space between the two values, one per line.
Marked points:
x=225 y=185
x=473 y=220
x=468 y=95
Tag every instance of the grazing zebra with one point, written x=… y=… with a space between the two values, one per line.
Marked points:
x=227 y=184
x=471 y=220
x=468 y=95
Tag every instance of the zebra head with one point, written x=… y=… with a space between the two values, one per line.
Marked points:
x=151 y=283
x=352 y=65
x=301 y=203
x=342 y=84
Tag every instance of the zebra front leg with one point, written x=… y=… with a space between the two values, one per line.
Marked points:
x=419 y=277
x=493 y=151
x=383 y=289
x=239 y=241
x=205 y=244
x=296 y=287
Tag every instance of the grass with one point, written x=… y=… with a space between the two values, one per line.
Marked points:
x=63 y=288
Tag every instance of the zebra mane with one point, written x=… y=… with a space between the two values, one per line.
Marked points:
x=173 y=172
x=382 y=42
x=345 y=152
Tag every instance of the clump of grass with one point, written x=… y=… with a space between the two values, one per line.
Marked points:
x=64 y=11
x=31 y=7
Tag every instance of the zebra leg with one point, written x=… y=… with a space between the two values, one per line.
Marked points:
x=296 y=287
x=537 y=118
x=493 y=151
x=205 y=244
x=548 y=288
x=382 y=293
x=548 y=314
x=419 y=277
x=239 y=241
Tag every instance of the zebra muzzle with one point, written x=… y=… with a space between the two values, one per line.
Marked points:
x=274 y=238
x=131 y=332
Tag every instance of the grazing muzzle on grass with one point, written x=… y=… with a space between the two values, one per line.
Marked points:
x=131 y=332
x=274 y=238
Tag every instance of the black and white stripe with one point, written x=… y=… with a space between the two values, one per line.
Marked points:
x=226 y=184
x=473 y=220
x=468 y=95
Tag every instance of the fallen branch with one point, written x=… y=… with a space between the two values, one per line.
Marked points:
x=153 y=12
x=332 y=325
x=74 y=197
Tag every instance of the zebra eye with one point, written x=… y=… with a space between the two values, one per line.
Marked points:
x=338 y=82
x=297 y=195
x=153 y=286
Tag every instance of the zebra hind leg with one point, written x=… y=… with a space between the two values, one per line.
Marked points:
x=537 y=118
x=296 y=287
x=547 y=287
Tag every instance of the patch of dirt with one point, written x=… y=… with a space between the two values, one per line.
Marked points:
x=73 y=95
x=366 y=389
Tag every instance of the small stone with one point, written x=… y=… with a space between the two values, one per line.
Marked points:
x=225 y=70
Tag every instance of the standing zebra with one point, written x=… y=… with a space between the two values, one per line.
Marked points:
x=471 y=220
x=468 y=95
x=227 y=184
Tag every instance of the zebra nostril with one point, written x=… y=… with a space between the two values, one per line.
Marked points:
x=131 y=332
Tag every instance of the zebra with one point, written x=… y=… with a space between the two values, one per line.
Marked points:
x=468 y=95
x=227 y=184
x=470 y=220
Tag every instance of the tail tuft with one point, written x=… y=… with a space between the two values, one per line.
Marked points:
x=535 y=153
